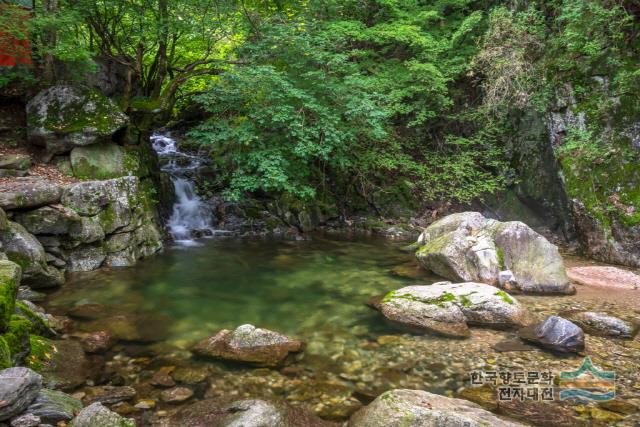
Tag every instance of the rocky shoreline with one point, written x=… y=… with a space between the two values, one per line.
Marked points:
x=194 y=387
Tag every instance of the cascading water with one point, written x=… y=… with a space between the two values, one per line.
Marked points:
x=191 y=217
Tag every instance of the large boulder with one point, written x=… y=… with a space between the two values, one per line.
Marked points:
x=555 y=333
x=114 y=201
x=417 y=408
x=54 y=219
x=18 y=388
x=96 y=415
x=249 y=344
x=99 y=161
x=26 y=251
x=448 y=309
x=243 y=413
x=469 y=247
x=63 y=117
x=28 y=192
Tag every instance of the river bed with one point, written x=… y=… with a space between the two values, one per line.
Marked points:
x=314 y=290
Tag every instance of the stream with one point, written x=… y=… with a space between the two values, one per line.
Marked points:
x=314 y=290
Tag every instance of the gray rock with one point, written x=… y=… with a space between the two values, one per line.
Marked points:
x=28 y=192
x=55 y=219
x=86 y=258
x=176 y=395
x=555 y=333
x=109 y=395
x=243 y=413
x=469 y=247
x=249 y=344
x=26 y=420
x=62 y=117
x=535 y=263
x=448 y=309
x=18 y=388
x=25 y=250
x=25 y=293
x=99 y=161
x=15 y=161
x=53 y=406
x=417 y=408
x=602 y=324
x=96 y=415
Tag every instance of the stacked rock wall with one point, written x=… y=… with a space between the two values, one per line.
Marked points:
x=52 y=228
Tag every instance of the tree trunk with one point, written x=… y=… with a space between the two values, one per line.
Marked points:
x=50 y=39
x=162 y=49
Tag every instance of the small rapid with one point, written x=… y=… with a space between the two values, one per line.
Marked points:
x=191 y=217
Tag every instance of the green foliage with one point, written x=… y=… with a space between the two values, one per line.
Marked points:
x=352 y=105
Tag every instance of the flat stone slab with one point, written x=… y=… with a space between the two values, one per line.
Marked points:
x=28 y=192
x=604 y=277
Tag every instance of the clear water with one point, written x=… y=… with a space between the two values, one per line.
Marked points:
x=292 y=287
x=314 y=290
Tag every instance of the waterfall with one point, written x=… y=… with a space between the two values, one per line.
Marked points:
x=191 y=217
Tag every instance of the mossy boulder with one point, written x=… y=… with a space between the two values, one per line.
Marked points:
x=10 y=274
x=15 y=162
x=102 y=161
x=469 y=247
x=28 y=192
x=26 y=251
x=54 y=219
x=63 y=117
x=448 y=309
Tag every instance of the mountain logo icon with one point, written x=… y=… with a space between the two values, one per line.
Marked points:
x=587 y=383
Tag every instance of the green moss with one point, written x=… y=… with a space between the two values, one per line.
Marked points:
x=93 y=110
x=16 y=338
x=5 y=354
x=439 y=301
x=9 y=281
x=609 y=187
x=504 y=296
x=41 y=353
x=500 y=254
x=38 y=325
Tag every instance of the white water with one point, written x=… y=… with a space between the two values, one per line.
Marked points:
x=191 y=217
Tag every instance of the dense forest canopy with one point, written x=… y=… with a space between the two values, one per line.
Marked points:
x=373 y=100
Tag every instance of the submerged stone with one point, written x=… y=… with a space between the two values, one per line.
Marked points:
x=555 y=333
x=96 y=415
x=603 y=324
x=68 y=367
x=249 y=344
x=399 y=408
x=245 y=413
